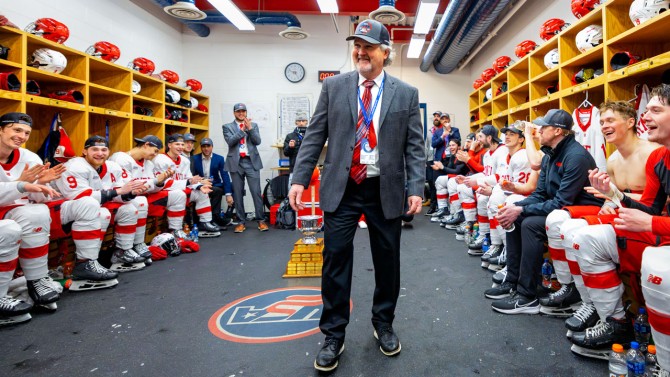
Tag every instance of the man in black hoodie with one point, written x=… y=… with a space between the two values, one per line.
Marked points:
x=293 y=140
x=563 y=176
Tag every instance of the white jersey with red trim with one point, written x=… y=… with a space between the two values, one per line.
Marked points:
x=515 y=168
x=586 y=125
x=181 y=167
x=491 y=161
x=81 y=179
x=138 y=170
x=642 y=93
x=12 y=170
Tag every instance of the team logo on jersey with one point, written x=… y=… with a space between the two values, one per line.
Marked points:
x=270 y=316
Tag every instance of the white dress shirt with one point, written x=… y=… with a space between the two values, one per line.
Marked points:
x=373 y=170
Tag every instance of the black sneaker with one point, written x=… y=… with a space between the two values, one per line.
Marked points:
x=517 y=304
x=561 y=303
x=389 y=343
x=586 y=316
x=504 y=290
x=329 y=355
x=605 y=333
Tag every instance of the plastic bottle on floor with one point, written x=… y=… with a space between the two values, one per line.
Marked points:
x=617 y=362
x=546 y=274
x=635 y=360
x=642 y=329
x=650 y=364
x=194 y=233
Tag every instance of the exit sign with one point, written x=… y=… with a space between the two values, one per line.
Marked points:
x=324 y=74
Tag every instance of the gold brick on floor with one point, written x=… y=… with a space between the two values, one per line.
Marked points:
x=306 y=260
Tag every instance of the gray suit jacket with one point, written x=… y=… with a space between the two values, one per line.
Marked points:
x=401 y=150
x=232 y=134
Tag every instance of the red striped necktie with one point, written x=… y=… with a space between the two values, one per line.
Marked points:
x=358 y=171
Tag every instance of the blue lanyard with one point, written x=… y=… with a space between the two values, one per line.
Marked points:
x=367 y=118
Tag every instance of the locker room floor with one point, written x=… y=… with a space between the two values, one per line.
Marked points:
x=155 y=322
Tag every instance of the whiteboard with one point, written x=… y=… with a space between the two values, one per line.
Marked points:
x=289 y=106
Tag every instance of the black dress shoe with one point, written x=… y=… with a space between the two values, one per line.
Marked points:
x=389 y=343
x=328 y=357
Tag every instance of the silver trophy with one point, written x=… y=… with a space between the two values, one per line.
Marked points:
x=310 y=225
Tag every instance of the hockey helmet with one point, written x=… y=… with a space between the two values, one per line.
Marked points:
x=194 y=103
x=167 y=242
x=589 y=37
x=551 y=59
x=172 y=96
x=50 y=29
x=501 y=63
x=48 y=60
x=643 y=10
x=136 y=87
x=581 y=8
x=552 y=27
x=488 y=74
x=194 y=85
x=170 y=76
x=9 y=81
x=489 y=94
x=524 y=48
x=142 y=65
x=623 y=59
x=478 y=84
x=105 y=51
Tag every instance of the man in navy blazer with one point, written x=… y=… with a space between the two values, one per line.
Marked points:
x=211 y=165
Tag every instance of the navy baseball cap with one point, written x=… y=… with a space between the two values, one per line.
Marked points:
x=373 y=32
x=96 y=141
x=189 y=137
x=175 y=137
x=555 y=118
x=240 y=106
x=151 y=140
x=490 y=130
x=206 y=141
x=513 y=129
x=439 y=113
x=20 y=118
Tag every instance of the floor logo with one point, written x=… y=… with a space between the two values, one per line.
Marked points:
x=271 y=316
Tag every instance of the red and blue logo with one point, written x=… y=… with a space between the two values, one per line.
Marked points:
x=270 y=316
x=364 y=28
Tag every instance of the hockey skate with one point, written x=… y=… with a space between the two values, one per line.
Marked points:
x=585 y=317
x=461 y=230
x=126 y=261
x=90 y=275
x=455 y=221
x=143 y=250
x=498 y=262
x=475 y=246
x=493 y=250
x=596 y=342
x=561 y=303
x=499 y=277
x=208 y=229
x=43 y=293
x=13 y=311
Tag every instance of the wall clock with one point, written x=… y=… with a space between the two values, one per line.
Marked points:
x=294 y=72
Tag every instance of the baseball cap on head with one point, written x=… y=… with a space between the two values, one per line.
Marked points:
x=151 y=140
x=301 y=116
x=555 y=118
x=471 y=136
x=175 y=137
x=206 y=141
x=513 y=129
x=189 y=137
x=445 y=115
x=438 y=113
x=240 y=106
x=96 y=141
x=373 y=32
x=20 y=118
x=492 y=131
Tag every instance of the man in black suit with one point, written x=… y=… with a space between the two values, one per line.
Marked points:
x=211 y=165
x=375 y=145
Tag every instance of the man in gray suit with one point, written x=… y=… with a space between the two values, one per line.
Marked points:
x=375 y=146
x=243 y=160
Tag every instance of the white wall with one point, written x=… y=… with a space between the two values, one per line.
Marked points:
x=132 y=29
x=524 y=25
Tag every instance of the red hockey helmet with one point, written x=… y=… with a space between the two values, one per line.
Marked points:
x=581 y=8
x=142 y=65
x=478 y=83
x=194 y=85
x=50 y=29
x=552 y=27
x=501 y=63
x=524 y=48
x=488 y=74
x=170 y=76
x=105 y=51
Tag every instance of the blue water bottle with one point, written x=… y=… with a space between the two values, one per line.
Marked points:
x=546 y=274
x=194 y=233
x=486 y=243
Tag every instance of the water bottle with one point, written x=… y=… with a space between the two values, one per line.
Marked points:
x=617 y=362
x=650 y=361
x=546 y=274
x=511 y=227
x=642 y=329
x=635 y=360
x=485 y=244
x=467 y=233
x=475 y=231
x=194 y=233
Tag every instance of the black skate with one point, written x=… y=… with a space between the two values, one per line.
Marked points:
x=475 y=246
x=455 y=221
x=13 y=311
x=208 y=229
x=42 y=293
x=499 y=277
x=90 y=275
x=126 y=260
x=585 y=317
x=142 y=250
x=493 y=250
x=498 y=262
x=596 y=342
x=561 y=303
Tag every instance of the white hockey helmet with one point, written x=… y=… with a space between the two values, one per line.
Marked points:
x=172 y=96
x=489 y=94
x=643 y=10
x=48 y=60
x=194 y=103
x=551 y=59
x=136 y=87
x=167 y=242
x=589 y=37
